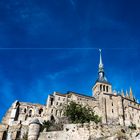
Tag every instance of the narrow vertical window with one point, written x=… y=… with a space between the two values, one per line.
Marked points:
x=100 y=87
x=104 y=88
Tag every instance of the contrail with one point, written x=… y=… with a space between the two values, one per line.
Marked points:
x=67 y=48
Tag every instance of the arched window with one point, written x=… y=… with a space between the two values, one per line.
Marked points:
x=106 y=88
x=103 y=87
x=40 y=111
x=100 y=87
x=24 y=110
x=52 y=118
x=30 y=113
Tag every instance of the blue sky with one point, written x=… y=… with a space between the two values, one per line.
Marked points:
x=51 y=45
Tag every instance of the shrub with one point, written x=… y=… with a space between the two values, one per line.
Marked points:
x=132 y=126
x=80 y=114
x=46 y=125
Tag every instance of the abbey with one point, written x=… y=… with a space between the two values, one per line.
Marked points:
x=114 y=108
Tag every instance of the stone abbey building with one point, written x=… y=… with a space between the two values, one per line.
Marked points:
x=114 y=108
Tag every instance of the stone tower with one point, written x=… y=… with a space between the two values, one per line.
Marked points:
x=101 y=84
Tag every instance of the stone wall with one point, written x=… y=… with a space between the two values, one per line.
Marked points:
x=91 y=131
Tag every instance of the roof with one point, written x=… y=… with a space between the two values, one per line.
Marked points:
x=103 y=80
x=80 y=94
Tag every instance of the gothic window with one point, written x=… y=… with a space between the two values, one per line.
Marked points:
x=56 y=103
x=112 y=104
x=51 y=101
x=63 y=99
x=30 y=113
x=106 y=88
x=60 y=104
x=103 y=87
x=40 y=111
x=112 y=110
x=52 y=111
x=100 y=87
x=52 y=118
x=24 y=110
x=58 y=98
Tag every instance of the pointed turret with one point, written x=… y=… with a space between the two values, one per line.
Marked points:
x=127 y=96
x=101 y=84
x=122 y=93
x=101 y=74
x=131 y=94
x=101 y=66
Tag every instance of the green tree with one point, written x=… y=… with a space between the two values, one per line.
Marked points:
x=80 y=114
x=47 y=125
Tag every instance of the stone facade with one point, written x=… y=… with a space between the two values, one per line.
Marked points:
x=115 y=108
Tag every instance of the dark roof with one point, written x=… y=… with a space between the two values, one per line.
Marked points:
x=102 y=81
x=80 y=94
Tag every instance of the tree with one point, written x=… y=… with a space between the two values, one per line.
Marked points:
x=80 y=114
x=47 y=125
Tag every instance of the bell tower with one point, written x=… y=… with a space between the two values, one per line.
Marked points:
x=101 y=84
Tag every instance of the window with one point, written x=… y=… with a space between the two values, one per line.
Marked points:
x=56 y=103
x=51 y=101
x=24 y=110
x=104 y=88
x=40 y=111
x=52 y=111
x=112 y=110
x=63 y=99
x=110 y=97
x=60 y=104
x=58 y=98
x=30 y=113
x=112 y=103
x=100 y=87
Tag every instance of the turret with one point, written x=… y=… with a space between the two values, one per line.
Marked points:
x=101 y=84
x=34 y=129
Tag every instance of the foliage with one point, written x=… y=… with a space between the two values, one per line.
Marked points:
x=80 y=114
x=132 y=126
x=46 y=125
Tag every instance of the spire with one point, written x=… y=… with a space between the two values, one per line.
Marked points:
x=101 y=67
x=131 y=94
x=122 y=93
x=101 y=74
x=127 y=96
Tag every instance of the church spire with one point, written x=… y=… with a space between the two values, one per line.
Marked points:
x=131 y=94
x=101 y=74
x=101 y=66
